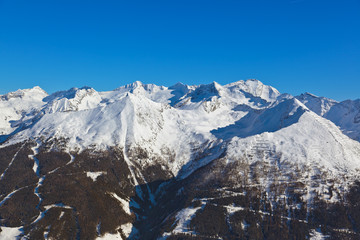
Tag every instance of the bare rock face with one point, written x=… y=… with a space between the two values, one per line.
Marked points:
x=239 y=161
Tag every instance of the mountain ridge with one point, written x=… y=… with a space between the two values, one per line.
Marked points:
x=164 y=158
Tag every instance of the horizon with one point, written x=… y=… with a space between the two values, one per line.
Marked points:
x=295 y=46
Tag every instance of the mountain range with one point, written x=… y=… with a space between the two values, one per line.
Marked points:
x=211 y=161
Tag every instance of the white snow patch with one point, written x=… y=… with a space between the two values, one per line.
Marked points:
x=110 y=236
x=9 y=233
x=126 y=228
x=183 y=219
x=231 y=209
x=124 y=203
x=316 y=234
x=94 y=175
x=47 y=207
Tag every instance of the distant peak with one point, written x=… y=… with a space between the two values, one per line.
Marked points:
x=70 y=94
x=213 y=87
x=253 y=82
x=307 y=95
x=22 y=92
x=246 y=82
x=177 y=85
x=135 y=84
x=310 y=94
x=130 y=86
x=37 y=88
x=216 y=84
x=256 y=88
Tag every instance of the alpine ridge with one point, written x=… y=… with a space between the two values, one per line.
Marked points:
x=211 y=161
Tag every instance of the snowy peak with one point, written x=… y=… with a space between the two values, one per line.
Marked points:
x=19 y=106
x=212 y=96
x=130 y=118
x=205 y=92
x=178 y=92
x=74 y=99
x=165 y=159
x=346 y=114
x=151 y=91
x=255 y=88
x=180 y=95
x=319 y=105
x=35 y=92
x=272 y=119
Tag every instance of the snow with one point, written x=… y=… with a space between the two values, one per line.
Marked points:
x=74 y=99
x=191 y=125
x=346 y=114
x=59 y=205
x=110 y=236
x=255 y=88
x=94 y=175
x=36 y=161
x=319 y=105
x=17 y=107
x=9 y=233
x=185 y=127
x=183 y=219
x=310 y=140
x=126 y=228
x=124 y=203
x=9 y=196
x=317 y=235
x=11 y=162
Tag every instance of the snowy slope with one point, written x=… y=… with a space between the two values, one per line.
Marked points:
x=309 y=141
x=181 y=118
x=319 y=105
x=128 y=121
x=134 y=143
x=19 y=106
x=72 y=100
x=346 y=114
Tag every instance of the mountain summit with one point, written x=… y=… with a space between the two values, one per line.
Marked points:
x=235 y=161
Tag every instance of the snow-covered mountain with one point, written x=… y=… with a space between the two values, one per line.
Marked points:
x=345 y=114
x=19 y=106
x=153 y=162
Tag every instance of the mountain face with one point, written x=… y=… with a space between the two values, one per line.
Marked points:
x=239 y=161
x=346 y=114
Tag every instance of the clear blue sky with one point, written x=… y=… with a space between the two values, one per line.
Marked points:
x=293 y=45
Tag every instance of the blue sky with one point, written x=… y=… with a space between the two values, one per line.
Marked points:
x=293 y=45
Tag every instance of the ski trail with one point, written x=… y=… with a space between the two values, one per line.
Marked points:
x=125 y=128
x=36 y=170
x=124 y=133
x=11 y=162
x=36 y=161
x=9 y=196
x=72 y=158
